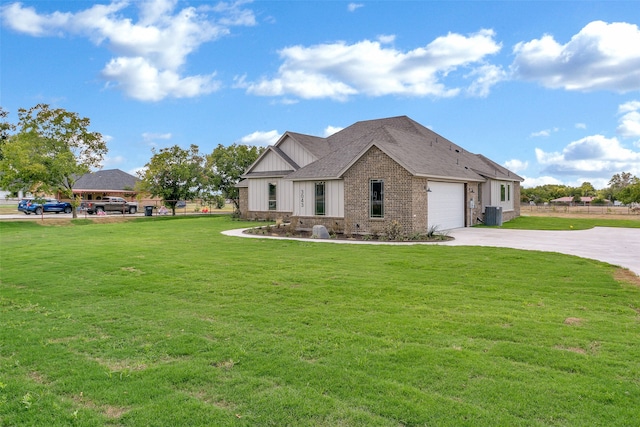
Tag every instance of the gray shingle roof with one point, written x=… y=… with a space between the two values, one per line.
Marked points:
x=316 y=145
x=106 y=180
x=418 y=149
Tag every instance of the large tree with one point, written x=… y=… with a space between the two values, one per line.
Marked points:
x=174 y=174
x=51 y=150
x=5 y=129
x=630 y=193
x=225 y=165
x=617 y=184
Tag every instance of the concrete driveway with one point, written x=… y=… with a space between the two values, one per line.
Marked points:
x=617 y=246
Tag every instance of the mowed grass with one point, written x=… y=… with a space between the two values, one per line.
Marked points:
x=166 y=322
x=564 y=223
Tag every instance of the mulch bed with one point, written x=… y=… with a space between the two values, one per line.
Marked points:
x=287 y=231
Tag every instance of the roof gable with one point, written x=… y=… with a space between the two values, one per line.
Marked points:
x=318 y=147
x=418 y=149
x=106 y=180
x=272 y=162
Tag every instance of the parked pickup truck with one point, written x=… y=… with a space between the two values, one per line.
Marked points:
x=109 y=204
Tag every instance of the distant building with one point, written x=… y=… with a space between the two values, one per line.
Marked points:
x=569 y=199
x=107 y=182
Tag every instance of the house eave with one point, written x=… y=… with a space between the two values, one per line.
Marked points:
x=266 y=174
x=103 y=190
x=449 y=178
x=316 y=178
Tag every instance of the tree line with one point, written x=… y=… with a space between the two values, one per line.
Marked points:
x=622 y=187
x=48 y=149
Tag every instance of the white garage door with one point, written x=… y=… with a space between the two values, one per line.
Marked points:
x=446 y=205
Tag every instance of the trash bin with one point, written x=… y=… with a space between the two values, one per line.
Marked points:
x=148 y=211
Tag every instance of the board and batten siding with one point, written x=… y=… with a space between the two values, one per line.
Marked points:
x=304 y=198
x=259 y=194
x=271 y=162
x=496 y=193
x=296 y=152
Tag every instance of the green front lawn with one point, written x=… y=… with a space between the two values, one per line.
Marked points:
x=557 y=223
x=166 y=322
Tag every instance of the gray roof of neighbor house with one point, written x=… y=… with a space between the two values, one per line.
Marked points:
x=418 y=149
x=106 y=180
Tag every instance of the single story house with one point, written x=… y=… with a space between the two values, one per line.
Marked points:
x=107 y=182
x=371 y=173
x=585 y=200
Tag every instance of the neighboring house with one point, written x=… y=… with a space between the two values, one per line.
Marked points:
x=108 y=182
x=569 y=200
x=374 y=172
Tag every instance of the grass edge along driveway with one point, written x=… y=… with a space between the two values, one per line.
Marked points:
x=167 y=322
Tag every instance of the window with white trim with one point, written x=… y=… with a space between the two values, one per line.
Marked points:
x=505 y=192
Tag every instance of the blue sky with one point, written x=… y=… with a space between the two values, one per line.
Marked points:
x=550 y=89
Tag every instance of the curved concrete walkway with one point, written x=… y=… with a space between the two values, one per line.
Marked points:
x=617 y=246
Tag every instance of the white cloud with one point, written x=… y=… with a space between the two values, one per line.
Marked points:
x=261 y=139
x=151 y=52
x=26 y=20
x=330 y=130
x=113 y=161
x=150 y=136
x=542 y=180
x=629 y=123
x=628 y=107
x=139 y=171
x=543 y=133
x=142 y=81
x=386 y=38
x=486 y=76
x=352 y=7
x=516 y=165
x=580 y=125
x=594 y=156
x=602 y=56
x=340 y=70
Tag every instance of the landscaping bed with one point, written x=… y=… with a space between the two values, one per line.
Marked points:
x=392 y=233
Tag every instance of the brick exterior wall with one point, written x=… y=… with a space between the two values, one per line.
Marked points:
x=243 y=200
x=419 y=205
x=399 y=189
x=268 y=216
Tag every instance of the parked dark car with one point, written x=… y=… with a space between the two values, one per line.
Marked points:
x=44 y=205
